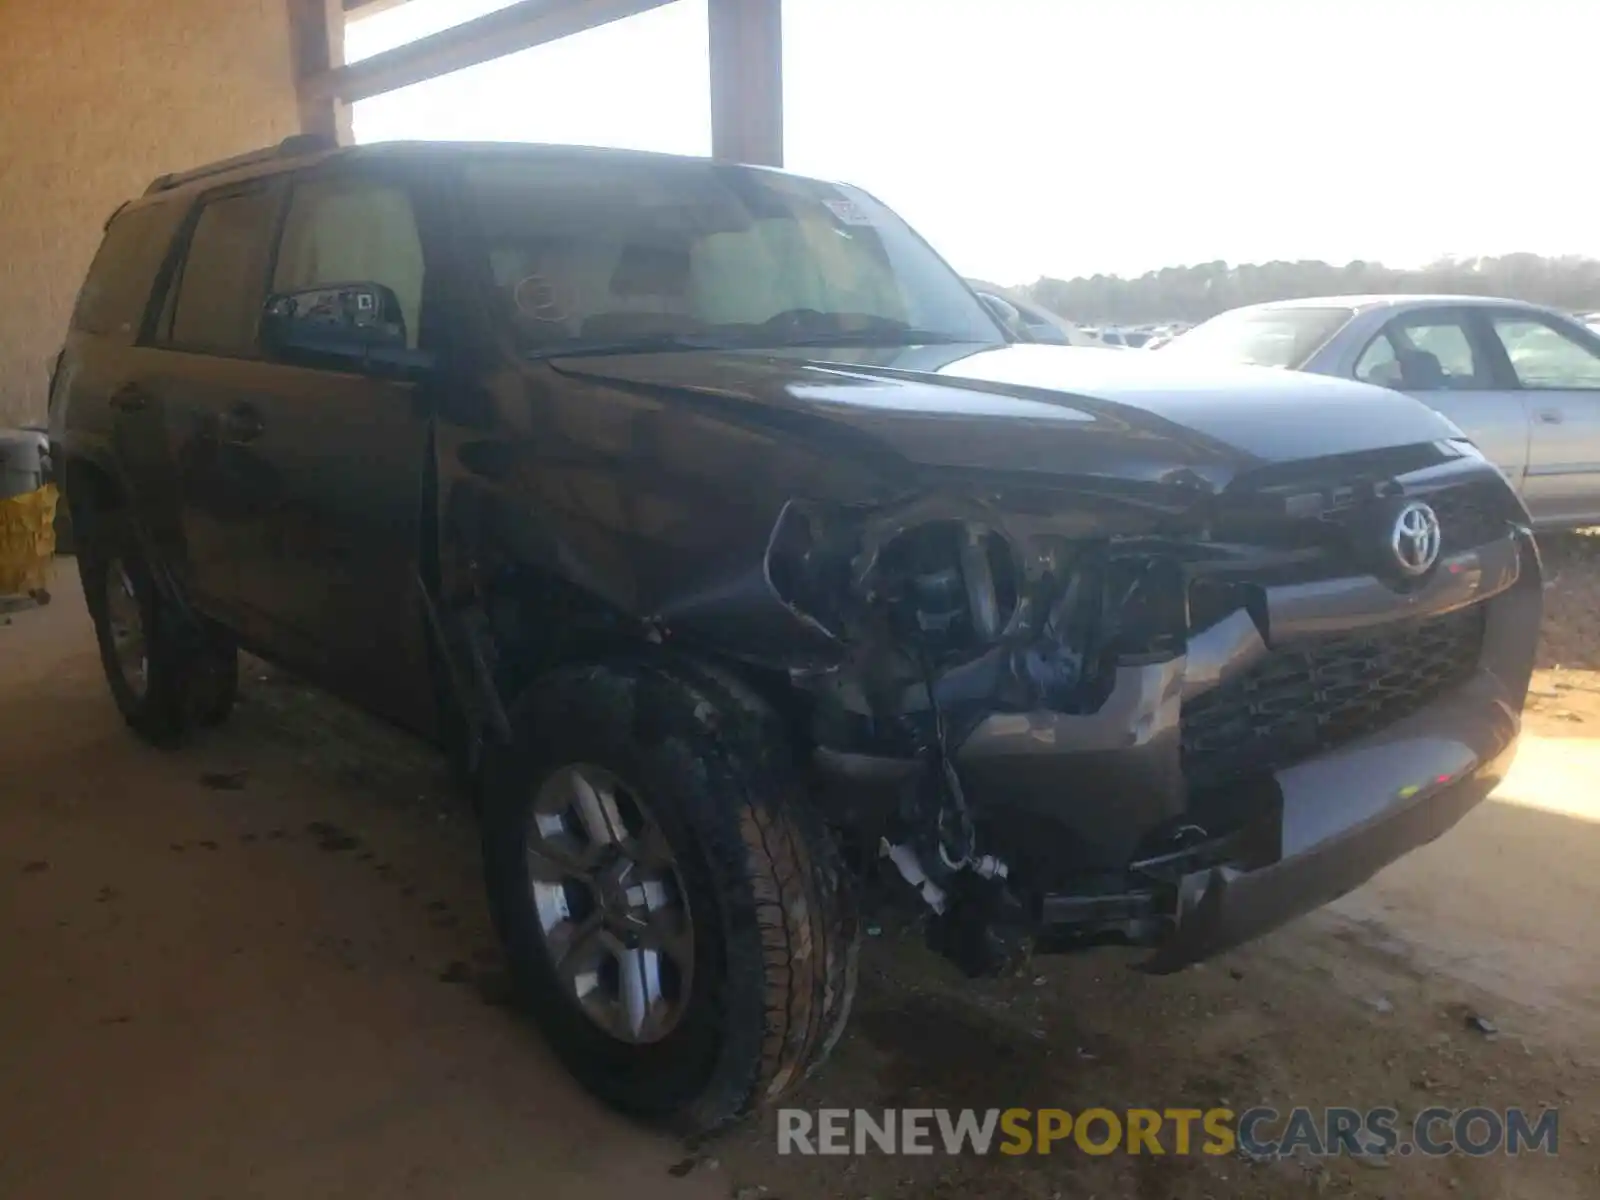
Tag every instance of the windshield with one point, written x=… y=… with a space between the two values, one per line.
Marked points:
x=585 y=252
x=1263 y=337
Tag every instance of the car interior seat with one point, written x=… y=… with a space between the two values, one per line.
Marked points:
x=648 y=294
x=1421 y=371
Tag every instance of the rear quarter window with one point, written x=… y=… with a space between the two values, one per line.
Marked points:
x=117 y=289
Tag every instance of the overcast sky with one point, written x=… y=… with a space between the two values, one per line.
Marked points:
x=1067 y=137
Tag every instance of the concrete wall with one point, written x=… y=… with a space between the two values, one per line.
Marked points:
x=97 y=97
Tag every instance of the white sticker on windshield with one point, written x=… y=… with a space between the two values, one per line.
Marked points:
x=848 y=211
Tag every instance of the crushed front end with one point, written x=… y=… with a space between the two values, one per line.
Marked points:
x=1079 y=718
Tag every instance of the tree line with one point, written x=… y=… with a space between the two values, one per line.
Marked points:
x=1205 y=289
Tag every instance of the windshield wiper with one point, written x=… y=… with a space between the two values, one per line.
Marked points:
x=890 y=334
x=642 y=345
x=880 y=337
x=864 y=329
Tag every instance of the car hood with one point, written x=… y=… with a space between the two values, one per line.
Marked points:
x=1041 y=408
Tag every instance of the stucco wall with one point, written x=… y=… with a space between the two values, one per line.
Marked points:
x=97 y=97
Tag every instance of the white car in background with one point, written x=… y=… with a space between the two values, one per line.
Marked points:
x=1108 y=336
x=1522 y=381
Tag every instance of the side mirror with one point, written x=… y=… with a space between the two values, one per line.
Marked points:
x=348 y=326
x=1009 y=316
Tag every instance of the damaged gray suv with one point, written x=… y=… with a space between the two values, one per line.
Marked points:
x=736 y=555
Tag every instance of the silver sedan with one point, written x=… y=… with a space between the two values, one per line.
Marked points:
x=1522 y=381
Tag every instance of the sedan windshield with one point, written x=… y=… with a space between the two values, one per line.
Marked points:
x=1262 y=337
x=586 y=253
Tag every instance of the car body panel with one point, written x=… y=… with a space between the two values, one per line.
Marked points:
x=302 y=516
x=1085 y=412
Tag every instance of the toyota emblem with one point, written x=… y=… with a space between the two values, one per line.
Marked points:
x=1415 y=539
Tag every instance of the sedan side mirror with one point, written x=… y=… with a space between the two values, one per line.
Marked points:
x=342 y=326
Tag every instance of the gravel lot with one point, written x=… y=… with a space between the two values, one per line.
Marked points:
x=261 y=966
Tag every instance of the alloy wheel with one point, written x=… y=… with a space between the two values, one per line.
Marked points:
x=610 y=903
x=129 y=642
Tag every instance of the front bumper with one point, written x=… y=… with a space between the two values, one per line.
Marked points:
x=1334 y=819
x=1346 y=814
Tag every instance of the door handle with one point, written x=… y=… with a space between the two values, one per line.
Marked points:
x=1550 y=416
x=129 y=399
x=241 y=424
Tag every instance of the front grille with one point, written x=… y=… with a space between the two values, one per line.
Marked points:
x=1310 y=697
x=1470 y=515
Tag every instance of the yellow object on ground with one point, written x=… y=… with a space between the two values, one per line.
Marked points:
x=27 y=540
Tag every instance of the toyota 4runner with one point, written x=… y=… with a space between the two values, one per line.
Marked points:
x=733 y=551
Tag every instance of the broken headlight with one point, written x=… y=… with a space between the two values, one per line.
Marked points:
x=943 y=585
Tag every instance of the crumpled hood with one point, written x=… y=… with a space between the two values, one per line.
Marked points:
x=1041 y=408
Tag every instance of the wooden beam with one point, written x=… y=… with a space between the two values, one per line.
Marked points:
x=365 y=8
x=746 y=44
x=529 y=23
x=316 y=33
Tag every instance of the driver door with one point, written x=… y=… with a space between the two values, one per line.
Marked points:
x=338 y=451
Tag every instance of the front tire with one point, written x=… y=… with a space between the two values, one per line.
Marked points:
x=674 y=912
x=165 y=677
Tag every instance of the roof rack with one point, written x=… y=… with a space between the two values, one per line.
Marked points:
x=293 y=146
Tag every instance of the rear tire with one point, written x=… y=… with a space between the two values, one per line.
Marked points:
x=166 y=676
x=771 y=917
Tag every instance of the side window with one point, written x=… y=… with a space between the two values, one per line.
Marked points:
x=1378 y=364
x=117 y=288
x=1545 y=357
x=223 y=285
x=1423 y=354
x=342 y=231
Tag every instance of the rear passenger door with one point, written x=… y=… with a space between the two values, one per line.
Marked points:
x=1440 y=356
x=204 y=372
x=1557 y=368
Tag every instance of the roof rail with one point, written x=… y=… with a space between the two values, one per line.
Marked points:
x=293 y=146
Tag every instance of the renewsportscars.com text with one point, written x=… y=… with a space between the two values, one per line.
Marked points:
x=1257 y=1132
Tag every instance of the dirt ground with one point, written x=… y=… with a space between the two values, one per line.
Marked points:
x=261 y=967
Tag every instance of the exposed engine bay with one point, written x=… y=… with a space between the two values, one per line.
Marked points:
x=1006 y=713
x=951 y=612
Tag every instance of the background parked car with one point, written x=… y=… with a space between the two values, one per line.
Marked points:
x=1113 y=337
x=1522 y=381
x=1042 y=324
